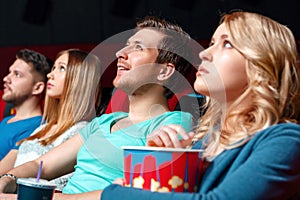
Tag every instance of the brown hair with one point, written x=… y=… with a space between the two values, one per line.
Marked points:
x=78 y=101
x=174 y=48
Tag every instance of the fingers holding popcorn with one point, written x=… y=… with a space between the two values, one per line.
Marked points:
x=173 y=136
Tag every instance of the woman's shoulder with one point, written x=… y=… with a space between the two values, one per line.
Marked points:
x=281 y=129
x=283 y=133
x=287 y=130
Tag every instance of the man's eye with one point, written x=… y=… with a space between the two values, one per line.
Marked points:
x=17 y=74
x=139 y=47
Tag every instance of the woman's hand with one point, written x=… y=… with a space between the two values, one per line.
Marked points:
x=173 y=136
x=8 y=184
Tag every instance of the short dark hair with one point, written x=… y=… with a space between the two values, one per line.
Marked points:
x=174 y=47
x=39 y=63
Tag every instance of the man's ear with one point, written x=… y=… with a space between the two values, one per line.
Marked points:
x=166 y=72
x=38 y=88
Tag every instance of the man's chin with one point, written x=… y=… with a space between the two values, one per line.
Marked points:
x=117 y=83
x=8 y=98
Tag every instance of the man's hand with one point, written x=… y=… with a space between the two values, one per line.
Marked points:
x=119 y=181
x=172 y=136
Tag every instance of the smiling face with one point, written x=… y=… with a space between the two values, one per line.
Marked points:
x=136 y=62
x=221 y=74
x=56 y=78
x=19 y=76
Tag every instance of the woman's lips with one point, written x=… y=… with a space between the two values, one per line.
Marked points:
x=201 y=71
x=49 y=85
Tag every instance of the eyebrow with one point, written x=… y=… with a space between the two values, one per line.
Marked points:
x=14 y=70
x=134 y=42
x=62 y=63
x=223 y=36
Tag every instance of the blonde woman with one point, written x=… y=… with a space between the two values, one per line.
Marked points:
x=69 y=105
x=249 y=131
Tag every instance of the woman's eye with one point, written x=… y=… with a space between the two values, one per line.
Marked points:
x=227 y=44
x=62 y=68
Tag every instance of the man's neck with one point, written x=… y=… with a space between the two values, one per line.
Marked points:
x=27 y=109
x=144 y=106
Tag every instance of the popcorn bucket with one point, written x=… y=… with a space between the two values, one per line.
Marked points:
x=162 y=169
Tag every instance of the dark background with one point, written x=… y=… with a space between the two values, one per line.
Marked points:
x=43 y=22
x=51 y=25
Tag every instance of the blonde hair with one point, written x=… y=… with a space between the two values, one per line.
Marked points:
x=273 y=82
x=78 y=100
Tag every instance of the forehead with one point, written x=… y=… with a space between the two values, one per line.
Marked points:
x=221 y=31
x=21 y=65
x=63 y=58
x=148 y=37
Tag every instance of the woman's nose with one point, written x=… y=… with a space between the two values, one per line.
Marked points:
x=50 y=75
x=205 y=55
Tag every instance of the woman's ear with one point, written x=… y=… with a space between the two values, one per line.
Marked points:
x=166 y=72
x=38 y=88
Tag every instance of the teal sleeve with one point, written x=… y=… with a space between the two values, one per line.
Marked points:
x=87 y=130
x=100 y=123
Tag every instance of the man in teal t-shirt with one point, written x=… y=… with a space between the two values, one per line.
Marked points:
x=100 y=159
